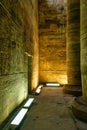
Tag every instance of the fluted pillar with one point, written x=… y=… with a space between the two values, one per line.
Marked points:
x=79 y=105
x=73 y=48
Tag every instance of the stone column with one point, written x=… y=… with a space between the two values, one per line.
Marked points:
x=84 y=47
x=73 y=48
x=79 y=105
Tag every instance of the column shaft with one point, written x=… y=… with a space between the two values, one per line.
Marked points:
x=73 y=47
x=84 y=47
x=79 y=105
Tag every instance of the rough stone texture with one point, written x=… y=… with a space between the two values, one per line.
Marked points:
x=79 y=108
x=35 y=65
x=79 y=105
x=84 y=47
x=52 y=41
x=18 y=35
x=73 y=42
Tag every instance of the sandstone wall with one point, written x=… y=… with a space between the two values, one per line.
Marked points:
x=18 y=35
x=52 y=41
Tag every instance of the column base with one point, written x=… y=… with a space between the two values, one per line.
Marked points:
x=75 y=90
x=79 y=108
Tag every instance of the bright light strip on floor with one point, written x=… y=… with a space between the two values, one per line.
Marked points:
x=29 y=102
x=19 y=117
x=38 y=90
x=52 y=84
x=40 y=86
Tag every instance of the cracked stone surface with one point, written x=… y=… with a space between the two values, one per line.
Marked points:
x=51 y=110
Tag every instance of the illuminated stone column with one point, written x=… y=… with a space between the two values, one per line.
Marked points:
x=35 y=60
x=73 y=47
x=80 y=104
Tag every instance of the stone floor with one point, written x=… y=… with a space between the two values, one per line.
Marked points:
x=51 y=110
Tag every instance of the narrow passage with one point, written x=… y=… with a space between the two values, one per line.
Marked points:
x=51 y=110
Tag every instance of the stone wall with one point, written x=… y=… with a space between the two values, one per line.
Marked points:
x=18 y=35
x=52 y=41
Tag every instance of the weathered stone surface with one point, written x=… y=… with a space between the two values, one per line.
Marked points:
x=79 y=108
x=84 y=47
x=52 y=41
x=35 y=68
x=79 y=105
x=13 y=90
x=18 y=36
x=73 y=43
